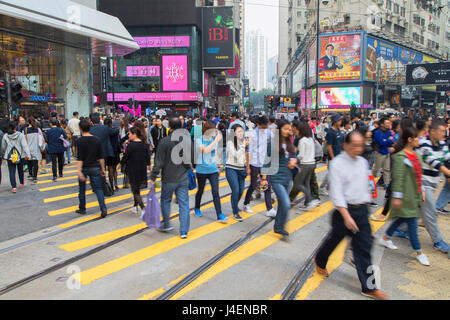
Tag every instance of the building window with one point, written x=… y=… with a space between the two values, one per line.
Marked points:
x=396 y=8
x=299 y=14
x=422 y=22
x=389 y=4
x=299 y=26
x=399 y=30
x=402 y=11
x=304 y=26
x=299 y=38
x=388 y=26
x=347 y=19
x=299 y=3
x=422 y=40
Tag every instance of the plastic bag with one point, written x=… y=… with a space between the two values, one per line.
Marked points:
x=152 y=211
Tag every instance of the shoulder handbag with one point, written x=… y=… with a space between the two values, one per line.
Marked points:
x=192 y=180
x=107 y=189
x=66 y=143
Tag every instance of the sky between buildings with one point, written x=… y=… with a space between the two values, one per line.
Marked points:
x=263 y=15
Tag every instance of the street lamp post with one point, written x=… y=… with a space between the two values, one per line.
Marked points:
x=317 y=58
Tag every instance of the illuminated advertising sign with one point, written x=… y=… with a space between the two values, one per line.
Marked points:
x=175 y=73
x=234 y=73
x=156 y=96
x=340 y=57
x=344 y=96
x=428 y=73
x=143 y=71
x=163 y=42
x=246 y=89
x=218 y=38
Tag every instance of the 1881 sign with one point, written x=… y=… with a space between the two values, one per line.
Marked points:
x=428 y=74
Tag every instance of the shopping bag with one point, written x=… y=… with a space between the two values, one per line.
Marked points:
x=66 y=143
x=192 y=181
x=152 y=211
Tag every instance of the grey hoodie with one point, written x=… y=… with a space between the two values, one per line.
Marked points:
x=17 y=139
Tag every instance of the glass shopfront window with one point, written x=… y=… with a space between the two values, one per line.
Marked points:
x=54 y=77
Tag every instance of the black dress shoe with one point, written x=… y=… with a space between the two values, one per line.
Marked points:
x=104 y=213
x=282 y=232
x=79 y=211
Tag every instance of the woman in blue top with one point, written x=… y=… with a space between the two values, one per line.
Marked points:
x=56 y=147
x=206 y=147
x=282 y=180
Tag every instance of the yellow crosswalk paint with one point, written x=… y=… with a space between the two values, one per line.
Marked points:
x=51 y=174
x=82 y=244
x=103 y=270
x=160 y=291
x=254 y=246
x=334 y=261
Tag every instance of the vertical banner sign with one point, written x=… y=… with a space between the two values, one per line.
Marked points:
x=218 y=38
x=340 y=56
x=175 y=73
x=246 y=89
x=205 y=84
x=103 y=74
x=312 y=58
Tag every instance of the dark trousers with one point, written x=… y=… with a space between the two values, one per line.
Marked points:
x=136 y=190
x=94 y=175
x=12 y=173
x=214 y=181
x=387 y=197
x=361 y=243
x=254 y=173
x=60 y=158
x=33 y=168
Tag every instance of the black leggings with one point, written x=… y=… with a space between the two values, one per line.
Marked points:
x=33 y=168
x=112 y=172
x=137 y=196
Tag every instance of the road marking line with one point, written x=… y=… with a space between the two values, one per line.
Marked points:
x=254 y=246
x=160 y=290
x=105 y=237
x=335 y=260
x=105 y=269
x=51 y=174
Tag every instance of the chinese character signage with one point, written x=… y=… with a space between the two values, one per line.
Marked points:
x=218 y=38
x=143 y=71
x=340 y=57
x=175 y=73
x=163 y=42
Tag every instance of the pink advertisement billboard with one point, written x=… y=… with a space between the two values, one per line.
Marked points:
x=155 y=96
x=175 y=73
x=163 y=42
x=143 y=71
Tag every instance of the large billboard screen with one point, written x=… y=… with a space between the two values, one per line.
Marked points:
x=428 y=74
x=340 y=57
x=175 y=73
x=218 y=38
x=340 y=96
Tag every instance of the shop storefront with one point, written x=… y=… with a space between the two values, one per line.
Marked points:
x=165 y=74
x=52 y=58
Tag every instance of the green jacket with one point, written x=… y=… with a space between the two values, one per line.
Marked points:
x=404 y=186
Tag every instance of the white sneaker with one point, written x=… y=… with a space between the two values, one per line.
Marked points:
x=134 y=210
x=313 y=204
x=140 y=212
x=248 y=209
x=388 y=244
x=423 y=259
x=272 y=213
x=323 y=192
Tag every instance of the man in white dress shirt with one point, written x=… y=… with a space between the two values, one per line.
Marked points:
x=349 y=192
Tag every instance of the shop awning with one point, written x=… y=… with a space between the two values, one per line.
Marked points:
x=68 y=23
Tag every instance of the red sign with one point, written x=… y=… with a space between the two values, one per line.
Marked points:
x=218 y=34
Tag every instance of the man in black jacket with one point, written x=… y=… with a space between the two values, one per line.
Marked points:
x=174 y=174
x=103 y=133
x=158 y=132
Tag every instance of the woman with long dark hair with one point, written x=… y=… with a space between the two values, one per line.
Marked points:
x=282 y=180
x=407 y=192
x=235 y=167
x=136 y=159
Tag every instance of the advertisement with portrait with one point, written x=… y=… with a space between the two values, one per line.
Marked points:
x=298 y=77
x=175 y=72
x=312 y=53
x=218 y=38
x=342 y=96
x=340 y=57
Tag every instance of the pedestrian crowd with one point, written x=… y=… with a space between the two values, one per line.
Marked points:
x=280 y=157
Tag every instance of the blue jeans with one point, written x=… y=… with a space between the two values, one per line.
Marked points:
x=412 y=231
x=68 y=154
x=181 y=190
x=236 y=180
x=12 y=172
x=214 y=181
x=444 y=196
x=94 y=174
x=284 y=204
